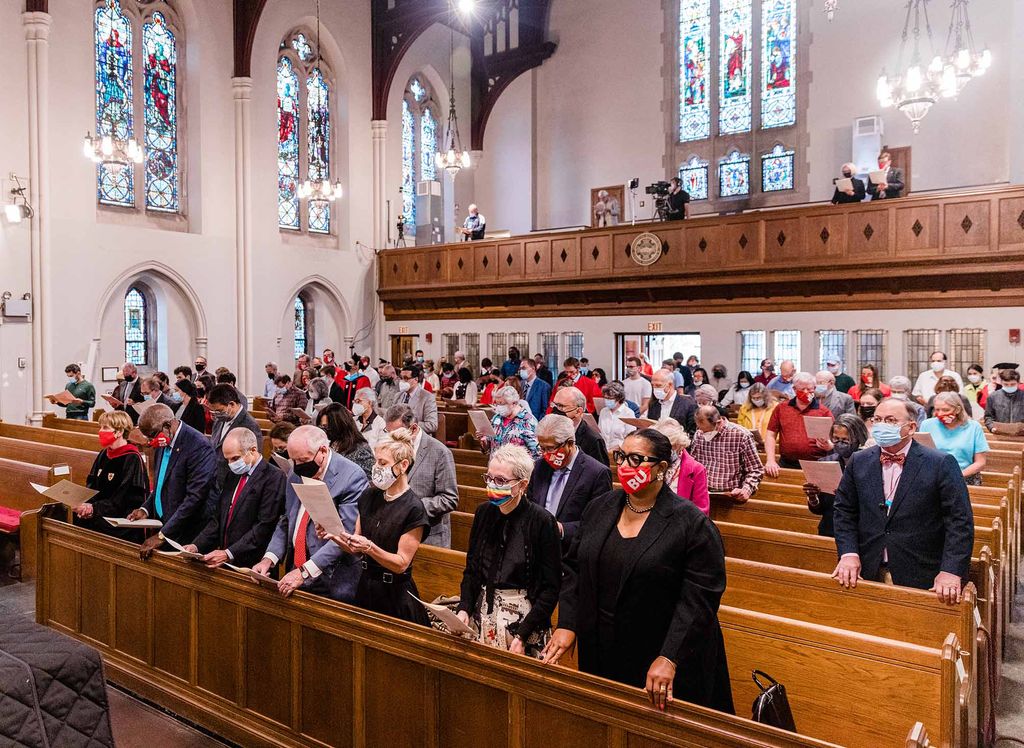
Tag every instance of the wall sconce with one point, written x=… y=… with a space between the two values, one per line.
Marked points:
x=14 y=211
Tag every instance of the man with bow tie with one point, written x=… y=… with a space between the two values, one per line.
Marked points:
x=902 y=512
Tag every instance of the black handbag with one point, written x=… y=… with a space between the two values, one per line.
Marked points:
x=771 y=707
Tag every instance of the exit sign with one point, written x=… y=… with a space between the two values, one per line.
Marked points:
x=403 y=330
x=654 y=327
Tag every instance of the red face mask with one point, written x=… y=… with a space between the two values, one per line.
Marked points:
x=804 y=396
x=866 y=378
x=557 y=459
x=159 y=441
x=634 y=479
x=107 y=438
x=948 y=420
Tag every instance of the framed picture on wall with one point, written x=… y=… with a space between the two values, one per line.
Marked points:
x=606 y=206
x=109 y=373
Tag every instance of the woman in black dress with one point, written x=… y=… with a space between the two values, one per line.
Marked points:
x=191 y=411
x=391 y=524
x=643 y=580
x=119 y=474
x=513 y=566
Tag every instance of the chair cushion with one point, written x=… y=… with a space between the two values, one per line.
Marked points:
x=10 y=520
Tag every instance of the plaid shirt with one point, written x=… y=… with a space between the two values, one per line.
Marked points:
x=730 y=459
x=292 y=397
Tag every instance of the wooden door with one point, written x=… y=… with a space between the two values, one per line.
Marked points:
x=403 y=347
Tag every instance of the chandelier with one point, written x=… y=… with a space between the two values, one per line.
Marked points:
x=113 y=153
x=319 y=190
x=831 y=6
x=962 y=61
x=452 y=157
x=915 y=89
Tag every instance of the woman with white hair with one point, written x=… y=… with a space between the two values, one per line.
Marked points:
x=370 y=423
x=956 y=433
x=687 y=477
x=513 y=423
x=613 y=429
x=513 y=570
x=854 y=193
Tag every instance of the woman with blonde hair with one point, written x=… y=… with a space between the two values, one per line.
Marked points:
x=687 y=477
x=956 y=433
x=119 y=474
x=757 y=411
x=389 y=529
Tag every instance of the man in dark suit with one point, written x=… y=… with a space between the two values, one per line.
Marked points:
x=855 y=193
x=667 y=403
x=536 y=392
x=565 y=479
x=902 y=512
x=893 y=184
x=128 y=391
x=571 y=403
x=317 y=566
x=250 y=504
x=184 y=470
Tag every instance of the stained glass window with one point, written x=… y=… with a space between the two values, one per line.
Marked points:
x=428 y=145
x=694 y=175
x=136 y=336
x=300 y=326
x=778 y=63
x=734 y=68
x=160 y=55
x=113 y=37
x=694 y=71
x=302 y=48
x=777 y=170
x=734 y=175
x=408 y=167
x=418 y=91
x=318 y=146
x=288 y=121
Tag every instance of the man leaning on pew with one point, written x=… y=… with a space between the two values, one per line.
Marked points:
x=184 y=469
x=902 y=512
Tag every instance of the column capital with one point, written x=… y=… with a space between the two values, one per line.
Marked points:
x=37 y=25
x=241 y=87
x=379 y=128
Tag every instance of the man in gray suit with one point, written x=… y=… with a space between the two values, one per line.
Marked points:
x=423 y=403
x=826 y=392
x=314 y=565
x=432 y=476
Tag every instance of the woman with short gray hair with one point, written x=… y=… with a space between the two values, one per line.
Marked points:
x=955 y=432
x=513 y=423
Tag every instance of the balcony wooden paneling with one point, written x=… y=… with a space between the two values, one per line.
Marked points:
x=951 y=249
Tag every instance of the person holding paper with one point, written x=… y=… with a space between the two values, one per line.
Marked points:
x=1005 y=406
x=513 y=423
x=787 y=430
x=119 y=474
x=127 y=392
x=288 y=396
x=572 y=403
x=249 y=505
x=83 y=392
x=849 y=435
x=902 y=512
x=666 y=402
x=887 y=182
x=389 y=529
x=313 y=564
x=184 y=472
x=514 y=563
x=729 y=455
x=956 y=433
x=849 y=189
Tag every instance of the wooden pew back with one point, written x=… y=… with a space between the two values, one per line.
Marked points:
x=80 y=460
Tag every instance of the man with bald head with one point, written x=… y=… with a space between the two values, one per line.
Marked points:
x=475 y=225
x=572 y=403
x=249 y=505
x=902 y=512
x=784 y=382
x=184 y=471
x=315 y=565
x=666 y=402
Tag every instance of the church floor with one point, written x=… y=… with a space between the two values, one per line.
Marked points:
x=135 y=723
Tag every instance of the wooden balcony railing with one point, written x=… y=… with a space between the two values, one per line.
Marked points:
x=951 y=249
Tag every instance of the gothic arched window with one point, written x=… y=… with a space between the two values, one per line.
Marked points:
x=136 y=326
x=419 y=145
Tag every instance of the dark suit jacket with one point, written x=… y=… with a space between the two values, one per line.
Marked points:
x=683 y=410
x=895 y=182
x=257 y=512
x=839 y=198
x=124 y=393
x=220 y=431
x=587 y=480
x=928 y=529
x=592 y=444
x=190 y=475
x=666 y=604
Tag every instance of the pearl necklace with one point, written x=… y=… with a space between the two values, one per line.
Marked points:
x=633 y=509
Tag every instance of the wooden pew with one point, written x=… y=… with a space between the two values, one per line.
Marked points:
x=56 y=437
x=51 y=421
x=17 y=495
x=79 y=460
x=308 y=671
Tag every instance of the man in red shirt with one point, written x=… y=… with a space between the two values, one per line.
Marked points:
x=767 y=372
x=786 y=426
x=586 y=385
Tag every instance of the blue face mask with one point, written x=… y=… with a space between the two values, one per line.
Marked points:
x=176 y=397
x=238 y=467
x=1009 y=389
x=820 y=390
x=886 y=435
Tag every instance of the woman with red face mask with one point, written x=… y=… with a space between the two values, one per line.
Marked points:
x=641 y=586
x=119 y=474
x=955 y=433
x=869 y=380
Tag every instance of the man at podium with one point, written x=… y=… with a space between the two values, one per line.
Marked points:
x=474 y=226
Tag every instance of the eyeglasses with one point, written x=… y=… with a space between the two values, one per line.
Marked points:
x=888 y=421
x=551 y=450
x=498 y=481
x=632 y=459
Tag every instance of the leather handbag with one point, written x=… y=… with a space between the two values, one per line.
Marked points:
x=771 y=707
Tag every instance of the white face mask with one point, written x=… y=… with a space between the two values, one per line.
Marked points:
x=663 y=394
x=938 y=366
x=503 y=410
x=899 y=395
x=974 y=378
x=358 y=410
x=834 y=369
x=403 y=386
x=383 y=477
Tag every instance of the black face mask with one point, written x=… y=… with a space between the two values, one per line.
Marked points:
x=270 y=375
x=847 y=174
x=867 y=411
x=306 y=469
x=200 y=367
x=556 y=411
x=281 y=453
x=842 y=449
x=387 y=380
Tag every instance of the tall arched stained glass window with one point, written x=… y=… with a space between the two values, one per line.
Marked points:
x=428 y=145
x=778 y=57
x=114 y=99
x=318 y=146
x=300 y=327
x=735 y=68
x=288 y=122
x=408 y=167
x=694 y=71
x=160 y=55
x=136 y=335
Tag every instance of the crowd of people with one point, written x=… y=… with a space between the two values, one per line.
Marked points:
x=637 y=570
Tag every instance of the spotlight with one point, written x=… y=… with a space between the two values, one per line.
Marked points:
x=16 y=212
x=466 y=7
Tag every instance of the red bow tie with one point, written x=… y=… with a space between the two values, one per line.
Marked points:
x=896 y=459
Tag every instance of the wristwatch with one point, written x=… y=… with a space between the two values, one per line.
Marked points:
x=303 y=572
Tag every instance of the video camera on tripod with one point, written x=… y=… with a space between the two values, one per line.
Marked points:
x=659 y=191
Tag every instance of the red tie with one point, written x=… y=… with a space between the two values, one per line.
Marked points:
x=300 y=540
x=896 y=459
x=231 y=511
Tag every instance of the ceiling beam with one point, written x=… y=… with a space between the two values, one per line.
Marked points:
x=246 y=17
